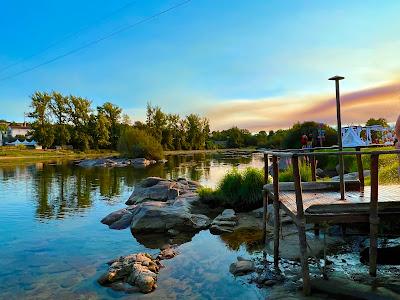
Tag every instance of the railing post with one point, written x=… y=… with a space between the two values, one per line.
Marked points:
x=313 y=168
x=360 y=169
x=266 y=167
x=275 y=169
x=373 y=215
x=301 y=226
x=265 y=211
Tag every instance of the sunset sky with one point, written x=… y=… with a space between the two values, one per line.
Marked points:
x=254 y=64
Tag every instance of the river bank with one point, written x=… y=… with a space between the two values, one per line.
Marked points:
x=11 y=155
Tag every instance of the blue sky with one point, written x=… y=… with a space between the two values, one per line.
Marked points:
x=204 y=57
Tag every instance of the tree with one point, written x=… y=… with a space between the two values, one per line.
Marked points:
x=79 y=113
x=381 y=121
x=113 y=114
x=138 y=143
x=100 y=130
x=59 y=108
x=43 y=131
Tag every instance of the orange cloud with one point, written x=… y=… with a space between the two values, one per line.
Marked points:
x=265 y=114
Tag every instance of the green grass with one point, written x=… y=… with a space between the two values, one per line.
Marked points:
x=239 y=190
x=388 y=165
x=12 y=154
x=287 y=175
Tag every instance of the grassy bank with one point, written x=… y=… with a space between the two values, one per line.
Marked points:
x=10 y=154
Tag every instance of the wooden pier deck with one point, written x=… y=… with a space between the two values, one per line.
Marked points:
x=320 y=205
x=329 y=202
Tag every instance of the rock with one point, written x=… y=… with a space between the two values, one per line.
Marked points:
x=242 y=267
x=167 y=253
x=170 y=211
x=352 y=176
x=155 y=188
x=224 y=223
x=217 y=230
x=114 y=216
x=158 y=191
x=104 y=162
x=123 y=222
x=138 y=270
x=320 y=173
x=259 y=212
x=173 y=232
x=155 y=216
x=284 y=218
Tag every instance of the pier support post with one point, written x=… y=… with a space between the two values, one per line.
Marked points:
x=277 y=222
x=373 y=215
x=301 y=226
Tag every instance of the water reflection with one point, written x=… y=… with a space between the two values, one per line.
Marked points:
x=61 y=189
x=63 y=254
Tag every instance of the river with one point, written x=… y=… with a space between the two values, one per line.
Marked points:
x=54 y=246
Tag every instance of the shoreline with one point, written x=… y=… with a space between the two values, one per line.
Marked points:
x=26 y=156
x=179 y=152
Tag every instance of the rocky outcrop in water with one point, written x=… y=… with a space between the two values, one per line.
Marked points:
x=138 y=270
x=159 y=189
x=115 y=162
x=160 y=206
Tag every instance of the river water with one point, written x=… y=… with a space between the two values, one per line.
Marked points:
x=52 y=244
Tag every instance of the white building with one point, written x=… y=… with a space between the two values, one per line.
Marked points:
x=18 y=129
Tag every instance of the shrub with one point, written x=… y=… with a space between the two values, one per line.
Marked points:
x=251 y=189
x=239 y=190
x=136 y=143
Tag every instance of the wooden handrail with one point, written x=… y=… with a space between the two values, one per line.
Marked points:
x=337 y=153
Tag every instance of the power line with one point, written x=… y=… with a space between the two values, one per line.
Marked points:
x=94 y=42
x=66 y=37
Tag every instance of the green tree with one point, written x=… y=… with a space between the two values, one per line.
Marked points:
x=138 y=143
x=79 y=113
x=100 y=130
x=43 y=131
x=59 y=108
x=113 y=114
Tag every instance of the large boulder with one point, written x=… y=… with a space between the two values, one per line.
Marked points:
x=155 y=188
x=156 y=216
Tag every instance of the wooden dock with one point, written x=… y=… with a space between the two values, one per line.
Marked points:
x=321 y=202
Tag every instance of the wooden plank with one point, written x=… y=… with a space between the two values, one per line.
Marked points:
x=266 y=167
x=275 y=168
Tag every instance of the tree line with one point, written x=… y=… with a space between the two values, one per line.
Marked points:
x=70 y=120
x=60 y=120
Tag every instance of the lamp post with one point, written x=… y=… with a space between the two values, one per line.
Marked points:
x=339 y=126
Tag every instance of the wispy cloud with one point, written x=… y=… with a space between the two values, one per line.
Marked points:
x=273 y=113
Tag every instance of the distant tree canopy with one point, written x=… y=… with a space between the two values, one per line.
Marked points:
x=71 y=120
x=381 y=121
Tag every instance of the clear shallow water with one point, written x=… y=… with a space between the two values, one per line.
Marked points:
x=52 y=244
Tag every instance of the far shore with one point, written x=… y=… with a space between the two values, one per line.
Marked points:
x=178 y=152
x=11 y=155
